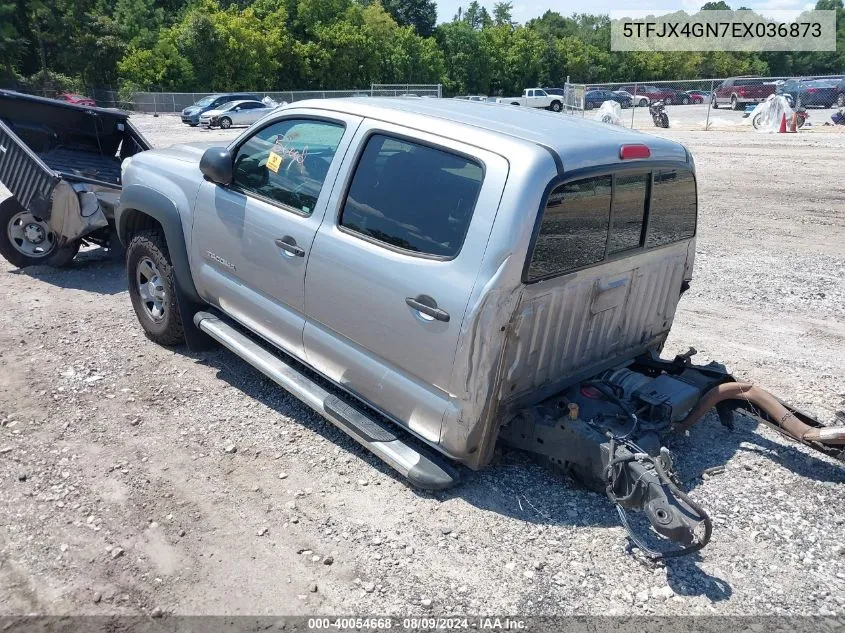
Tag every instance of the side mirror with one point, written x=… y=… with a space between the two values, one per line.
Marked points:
x=216 y=165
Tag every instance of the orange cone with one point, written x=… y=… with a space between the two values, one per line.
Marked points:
x=782 y=129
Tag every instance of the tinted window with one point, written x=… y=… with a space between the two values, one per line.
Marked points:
x=748 y=82
x=411 y=196
x=573 y=232
x=629 y=206
x=673 y=208
x=287 y=162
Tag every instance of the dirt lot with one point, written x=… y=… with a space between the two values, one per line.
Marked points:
x=117 y=493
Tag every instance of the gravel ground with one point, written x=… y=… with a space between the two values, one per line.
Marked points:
x=137 y=478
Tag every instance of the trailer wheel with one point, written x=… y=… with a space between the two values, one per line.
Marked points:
x=152 y=288
x=26 y=240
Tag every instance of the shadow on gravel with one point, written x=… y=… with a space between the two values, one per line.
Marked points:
x=711 y=444
x=93 y=270
x=515 y=486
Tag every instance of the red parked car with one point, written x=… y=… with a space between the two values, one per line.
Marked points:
x=69 y=97
x=737 y=92
x=665 y=94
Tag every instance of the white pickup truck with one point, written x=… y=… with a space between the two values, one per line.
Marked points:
x=535 y=98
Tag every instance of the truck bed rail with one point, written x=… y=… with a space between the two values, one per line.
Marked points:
x=24 y=174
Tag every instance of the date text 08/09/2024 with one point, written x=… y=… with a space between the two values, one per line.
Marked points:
x=418 y=624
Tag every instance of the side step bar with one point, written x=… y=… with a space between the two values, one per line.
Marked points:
x=424 y=471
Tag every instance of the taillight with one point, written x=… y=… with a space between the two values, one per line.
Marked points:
x=628 y=152
x=740 y=92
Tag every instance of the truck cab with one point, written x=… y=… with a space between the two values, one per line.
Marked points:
x=461 y=260
x=434 y=277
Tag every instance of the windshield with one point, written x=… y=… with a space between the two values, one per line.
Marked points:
x=204 y=101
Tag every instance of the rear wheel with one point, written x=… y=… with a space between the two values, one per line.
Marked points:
x=668 y=100
x=714 y=103
x=225 y=123
x=643 y=102
x=840 y=100
x=27 y=240
x=556 y=107
x=152 y=288
x=684 y=100
x=735 y=103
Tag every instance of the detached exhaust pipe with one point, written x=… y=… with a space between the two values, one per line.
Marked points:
x=778 y=415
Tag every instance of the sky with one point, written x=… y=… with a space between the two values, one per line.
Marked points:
x=524 y=10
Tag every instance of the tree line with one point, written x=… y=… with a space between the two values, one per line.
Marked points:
x=265 y=45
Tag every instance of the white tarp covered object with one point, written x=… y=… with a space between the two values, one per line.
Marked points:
x=771 y=113
x=609 y=112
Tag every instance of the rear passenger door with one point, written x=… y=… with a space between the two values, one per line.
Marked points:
x=393 y=265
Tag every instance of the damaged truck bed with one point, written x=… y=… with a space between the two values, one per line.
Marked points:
x=59 y=176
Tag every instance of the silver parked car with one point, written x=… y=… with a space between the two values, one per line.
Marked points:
x=244 y=112
x=433 y=277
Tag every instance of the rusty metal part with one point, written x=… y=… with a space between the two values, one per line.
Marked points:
x=779 y=415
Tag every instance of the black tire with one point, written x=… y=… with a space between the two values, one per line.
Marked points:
x=588 y=106
x=714 y=102
x=840 y=100
x=668 y=100
x=684 y=100
x=150 y=246
x=664 y=120
x=735 y=104
x=56 y=256
x=755 y=122
x=643 y=103
x=193 y=124
x=556 y=106
x=225 y=123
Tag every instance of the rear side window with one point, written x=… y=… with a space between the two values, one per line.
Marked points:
x=413 y=197
x=673 y=208
x=588 y=221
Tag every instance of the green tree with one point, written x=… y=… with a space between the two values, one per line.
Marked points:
x=503 y=13
x=419 y=14
x=12 y=43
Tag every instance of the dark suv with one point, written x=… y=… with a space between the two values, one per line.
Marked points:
x=191 y=114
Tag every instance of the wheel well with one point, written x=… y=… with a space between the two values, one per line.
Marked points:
x=137 y=221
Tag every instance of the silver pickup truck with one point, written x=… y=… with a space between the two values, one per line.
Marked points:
x=436 y=276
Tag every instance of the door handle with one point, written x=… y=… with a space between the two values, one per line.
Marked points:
x=288 y=244
x=427 y=306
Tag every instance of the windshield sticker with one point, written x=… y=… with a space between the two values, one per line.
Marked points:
x=274 y=161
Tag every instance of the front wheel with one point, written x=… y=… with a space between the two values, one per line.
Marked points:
x=756 y=120
x=685 y=101
x=840 y=100
x=225 y=123
x=152 y=288
x=714 y=103
x=643 y=103
x=28 y=241
x=668 y=100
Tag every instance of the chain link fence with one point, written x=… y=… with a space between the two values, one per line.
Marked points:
x=160 y=102
x=170 y=102
x=706 y=104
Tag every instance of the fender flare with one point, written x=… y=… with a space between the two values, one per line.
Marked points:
x=138 y=199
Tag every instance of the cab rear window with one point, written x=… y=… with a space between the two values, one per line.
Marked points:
x=590 y=220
